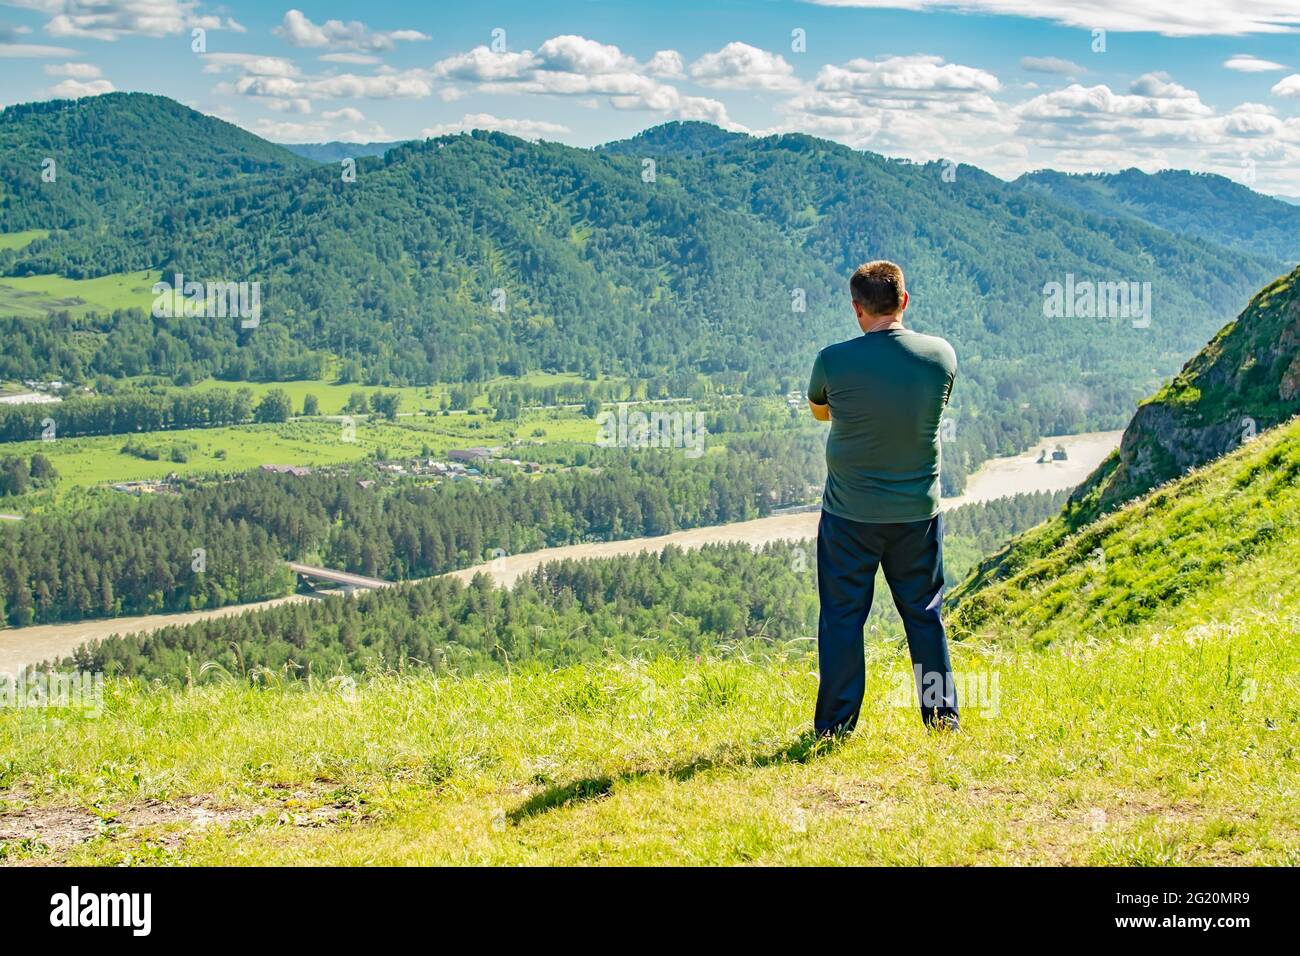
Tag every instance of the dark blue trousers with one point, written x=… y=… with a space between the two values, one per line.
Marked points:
x=848 y=554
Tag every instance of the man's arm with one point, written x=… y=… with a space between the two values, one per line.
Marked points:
x=818 y=400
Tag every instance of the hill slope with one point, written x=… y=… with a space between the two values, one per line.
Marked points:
x=122 y=162
x=1209 y=207
x=1245 y=380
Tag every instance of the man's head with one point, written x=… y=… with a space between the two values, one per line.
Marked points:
x=879 y=295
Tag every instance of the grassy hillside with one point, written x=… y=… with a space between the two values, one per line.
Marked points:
x=1245 y=380
x=1148 y=719
x=1236 y=519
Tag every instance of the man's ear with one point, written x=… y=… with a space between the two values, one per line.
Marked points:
x=906 y=299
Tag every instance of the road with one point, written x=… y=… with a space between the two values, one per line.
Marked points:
x=995 y=479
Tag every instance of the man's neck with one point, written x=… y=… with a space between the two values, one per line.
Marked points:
x=881 y=323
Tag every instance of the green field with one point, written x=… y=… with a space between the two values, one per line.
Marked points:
x=18 y=240
x=82 y=462
x=37 y=296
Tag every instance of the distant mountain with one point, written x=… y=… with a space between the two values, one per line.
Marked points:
x=464 y=257
x=1293 y=200
x=691 y=138
x=335 y=151
x=1202 y=205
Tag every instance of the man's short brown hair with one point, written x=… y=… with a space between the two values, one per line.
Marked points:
x=878 y=287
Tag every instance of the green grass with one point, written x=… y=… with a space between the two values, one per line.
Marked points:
x=38 y=296
x=84 y=462
x=1135 y=752
x=1089 y=736
x=18 y=240
x=1165 y=548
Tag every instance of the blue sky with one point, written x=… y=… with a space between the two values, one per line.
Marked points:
x=1008 y=85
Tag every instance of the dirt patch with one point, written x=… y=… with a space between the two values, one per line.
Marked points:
x=44 y=835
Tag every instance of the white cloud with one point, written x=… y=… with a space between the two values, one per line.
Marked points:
x=1051 y=64
x=582 y=68
x=71 y=89
x=1289 y=86
x=481 y=65
x=907 y=77
x=666 y=64
x=75 y=71
x=301 y=106
x=1245 y=63
x=527 y=129
x=249 y=63
x=297 y=30
x=319 y=131
x=739 y=66
x=33 y=51
x=114 y=19
x=412 y=84
x=349 y=114
x=575 y=54
x=1185 y=18
x=356 y=59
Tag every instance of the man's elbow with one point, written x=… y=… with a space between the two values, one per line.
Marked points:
x=820 y=412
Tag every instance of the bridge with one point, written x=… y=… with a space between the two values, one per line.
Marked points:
x=350 y=582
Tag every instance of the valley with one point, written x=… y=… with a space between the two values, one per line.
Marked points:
x=600 y=644
x=1005 y=477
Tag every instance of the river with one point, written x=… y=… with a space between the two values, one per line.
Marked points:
x=997 y=478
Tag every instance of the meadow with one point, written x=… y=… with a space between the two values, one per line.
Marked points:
x=38 y=296
x=85 y=462
x=1166 y=747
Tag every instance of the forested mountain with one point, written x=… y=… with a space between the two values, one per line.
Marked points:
x=1245 y=381
x=335 y=151
x=685 y=250
x=1203 y=205
x=121 y=162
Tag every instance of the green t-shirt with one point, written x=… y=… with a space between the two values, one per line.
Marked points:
x=887 y=392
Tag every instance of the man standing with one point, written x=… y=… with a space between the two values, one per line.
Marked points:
x=884 y=393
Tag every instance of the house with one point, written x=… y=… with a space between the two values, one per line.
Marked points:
x=296 y=470
x=471 y=454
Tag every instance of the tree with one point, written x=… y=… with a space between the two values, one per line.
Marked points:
x=42 y=470
x=275 y=407
x=386 y=404
x=310 y=404
x=14 y=476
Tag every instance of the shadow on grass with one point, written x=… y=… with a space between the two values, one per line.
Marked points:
x=805 y=747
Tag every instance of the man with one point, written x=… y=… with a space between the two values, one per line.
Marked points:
x=884 y=393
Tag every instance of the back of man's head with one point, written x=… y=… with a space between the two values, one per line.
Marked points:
x=878 y=287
